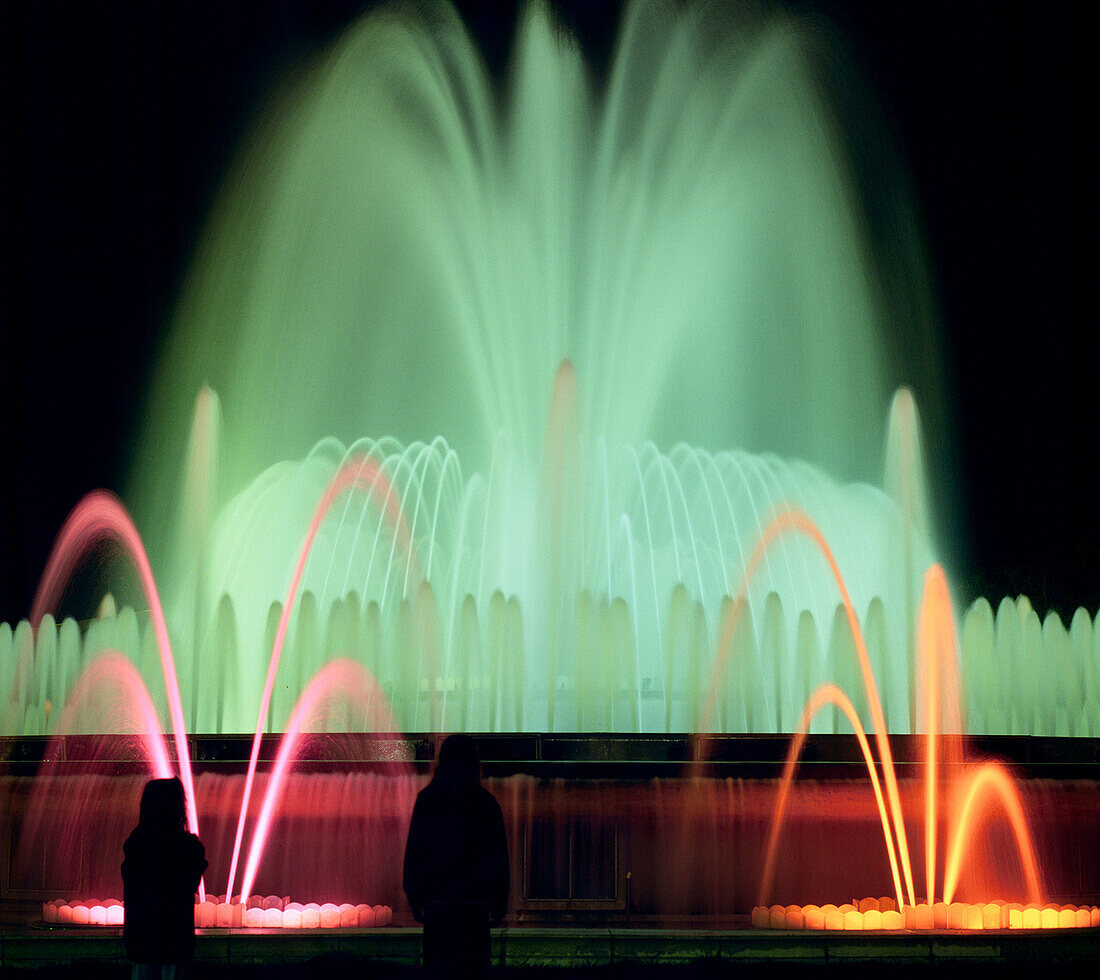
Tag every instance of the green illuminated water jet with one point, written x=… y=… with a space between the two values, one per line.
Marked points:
x=403 y=251
x=633 y=315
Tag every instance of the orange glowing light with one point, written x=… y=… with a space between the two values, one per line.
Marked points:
x=825 y=695
x=792 y=520
x=958 y=916
x=938 y=713
x=938 y=690
x=992 y=779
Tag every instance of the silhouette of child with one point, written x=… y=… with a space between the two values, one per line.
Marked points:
x=456 y=863
x=160 y=873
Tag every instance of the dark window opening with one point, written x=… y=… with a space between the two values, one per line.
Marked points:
x=571 y=864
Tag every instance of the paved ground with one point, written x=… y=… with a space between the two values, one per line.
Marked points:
x=604 y=953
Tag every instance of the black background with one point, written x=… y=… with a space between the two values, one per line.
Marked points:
x=122 y=118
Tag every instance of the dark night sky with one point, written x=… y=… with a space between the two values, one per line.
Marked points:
x=122 y=118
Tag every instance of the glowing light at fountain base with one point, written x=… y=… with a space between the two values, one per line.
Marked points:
x=259 y=912
x=883 y=915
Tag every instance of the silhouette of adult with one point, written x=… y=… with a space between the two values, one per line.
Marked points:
x=160 y=872
x=456 y=863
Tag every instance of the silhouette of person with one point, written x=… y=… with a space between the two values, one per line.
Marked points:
x=456 y=863
x=160 y=873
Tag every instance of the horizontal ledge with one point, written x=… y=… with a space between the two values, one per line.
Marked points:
x=506 y=753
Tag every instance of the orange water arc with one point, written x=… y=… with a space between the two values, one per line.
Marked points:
x=991 y=778
x=825 y=695
x=794 y=520
x=358 y=472
x=938 y=696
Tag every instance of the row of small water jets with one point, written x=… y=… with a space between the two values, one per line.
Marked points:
x=1020 y=674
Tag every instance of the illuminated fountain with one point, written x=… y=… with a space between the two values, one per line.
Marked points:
x=582 y=507
x=556 y=283
x=341 y=697
x=970 y=798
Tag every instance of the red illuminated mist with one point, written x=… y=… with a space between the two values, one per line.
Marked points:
x=100 y=517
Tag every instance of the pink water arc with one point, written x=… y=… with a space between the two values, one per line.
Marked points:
x=98 y=518
x=359 y=472
x=955 y=796
x=113 y=679
x=344 y=682
x=108 y=695
x=101 y=518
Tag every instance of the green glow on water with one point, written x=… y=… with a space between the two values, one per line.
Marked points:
x=397 y=255
x=608 y=307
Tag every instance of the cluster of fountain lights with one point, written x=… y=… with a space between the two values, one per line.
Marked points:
x=258 y=912
x=874 y=914
x=100 y=517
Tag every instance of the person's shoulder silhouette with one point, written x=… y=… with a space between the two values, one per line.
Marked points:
x=457 y=851
x=161 y=869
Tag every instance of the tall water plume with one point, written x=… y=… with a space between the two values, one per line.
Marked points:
x=552 y=277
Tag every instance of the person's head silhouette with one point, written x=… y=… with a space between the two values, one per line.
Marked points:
x=459 y=765
x=162 y=805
